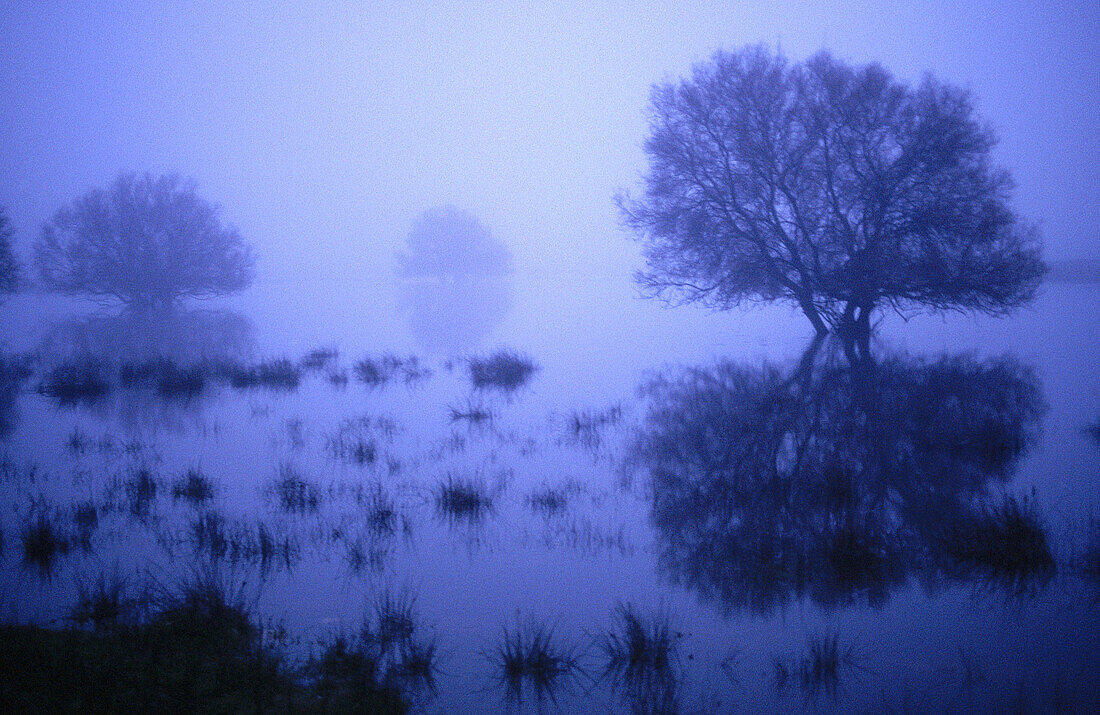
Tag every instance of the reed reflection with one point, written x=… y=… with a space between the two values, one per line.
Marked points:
x=837 y=480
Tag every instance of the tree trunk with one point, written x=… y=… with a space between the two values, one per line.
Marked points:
x=806 y=303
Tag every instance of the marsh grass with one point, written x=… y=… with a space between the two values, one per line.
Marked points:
x=549 y=500
x=292 y=493
x=380 y=511
x=43 y=543
x=141 y=491
x=463 y=499
x=169 y=378
x=820 y=669
x=472 y=413
x=586 y=427
x=107 y=603
x=83 y=380
x=641 y=660
x=379 y=668
x=85 y=519
x=77 y=442
x=193 y=486
x=530 y=659
x=274 y=373
x=211 y=534
x=1088 y=560
x=504 y=370
x=319 y=358
x=354 y=441
x=1007 y=540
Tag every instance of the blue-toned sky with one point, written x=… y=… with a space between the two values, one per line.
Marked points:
x=325 y=129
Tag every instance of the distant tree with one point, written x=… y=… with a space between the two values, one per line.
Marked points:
x=447 y=242
x=146 y=241
x=833 y=187
x=455 y=280
x=9 y=267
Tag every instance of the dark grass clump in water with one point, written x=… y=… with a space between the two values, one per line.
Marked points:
x=381 y=514
x=318 y=359
x=529 y=659
x=377 y=371
x=141 y=491
x=293 y=493
x=354 y=441
x=180 y=382
x=107 y=603
x=471 y=413
x=77 y=441
x=277 y=373
x=641 y=660
x=85 y=519
x=169 y=378
x=85 y=380
x=378 y=669
x=43 y=543
x=193 y=486
x=1089 y=560
x=505 y=370
x=466 y=500
x=586 y=427
x=1007 y=539
x=548 y=500
x=820 y=668
x=212 y=536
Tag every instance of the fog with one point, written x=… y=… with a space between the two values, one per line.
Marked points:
x=324 y=131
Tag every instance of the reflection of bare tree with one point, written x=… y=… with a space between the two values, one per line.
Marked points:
x=829 y=480
x=161 y=357
x=180 y=336
x=455 y=280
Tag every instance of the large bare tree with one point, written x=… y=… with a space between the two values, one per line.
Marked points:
x=837 y=188
x=146 y=241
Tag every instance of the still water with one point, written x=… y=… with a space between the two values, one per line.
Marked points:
x=788 y=530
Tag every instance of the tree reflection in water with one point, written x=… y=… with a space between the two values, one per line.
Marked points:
x=837 y=480
x=163 y=359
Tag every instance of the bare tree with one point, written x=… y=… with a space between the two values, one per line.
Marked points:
x=837 y=188
x=9 y=267
x=146 y=241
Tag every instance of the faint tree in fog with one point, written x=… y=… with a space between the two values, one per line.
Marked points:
x=447 y=242
x=455 y=279
x=146 y=241
x=9 y=267
x=836 y=188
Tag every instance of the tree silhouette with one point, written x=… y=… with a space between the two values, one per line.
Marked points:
x=836 y=188
x=145 y=241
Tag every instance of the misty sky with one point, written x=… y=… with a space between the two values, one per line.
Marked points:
x=325 y=129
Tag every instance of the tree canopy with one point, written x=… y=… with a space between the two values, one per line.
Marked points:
x=145 y=241
x=837 y=188
x=9 y=266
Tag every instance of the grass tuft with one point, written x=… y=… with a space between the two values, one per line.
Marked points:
x=193 y=486
x=465 y=500
x=530 y=659
x=641 y=659
x=85 y=380
x=293 y=493
x=504 y=370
